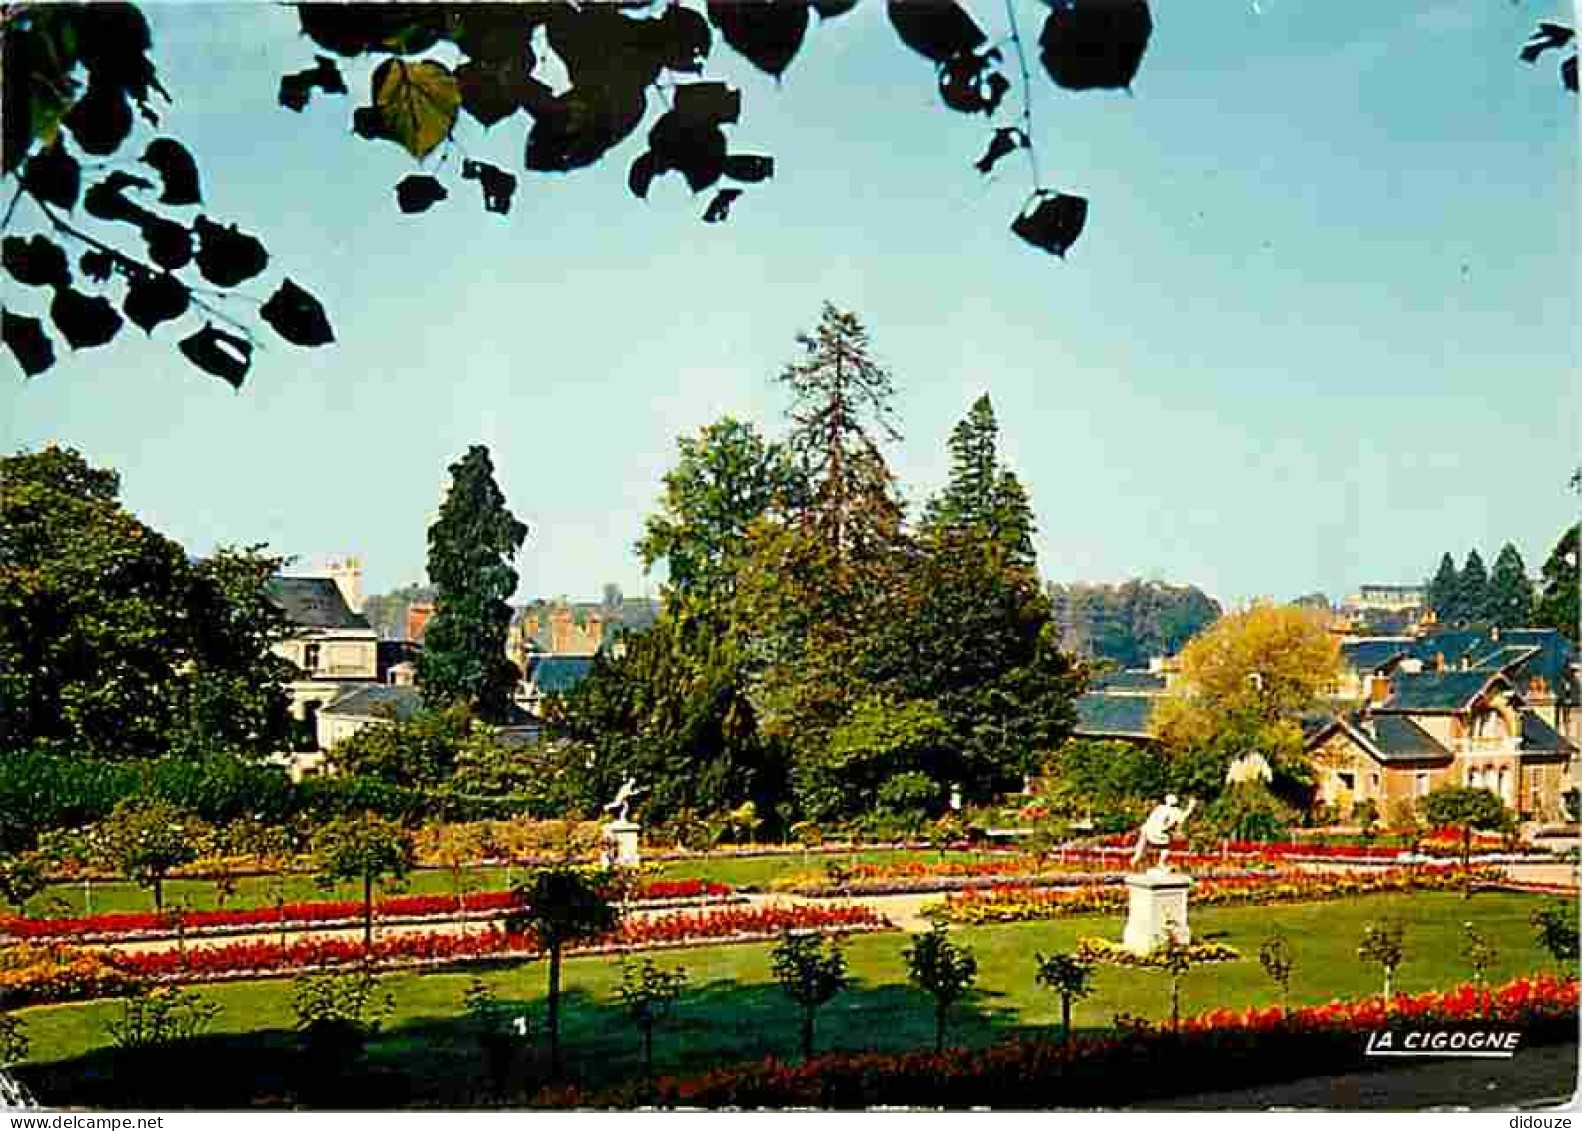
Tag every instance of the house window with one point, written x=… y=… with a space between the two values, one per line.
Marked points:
x=1348 y=782
x=1373 y=780
x=1420 y=783
x=310 y=657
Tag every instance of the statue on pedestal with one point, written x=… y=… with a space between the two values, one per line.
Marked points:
x=1157 y=829
x=623 y=800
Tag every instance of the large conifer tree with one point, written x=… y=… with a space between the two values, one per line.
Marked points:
x=1444 y=591
x=1510 y=603
x=983 y=499
x=471 y=547
x=1472 y=590
x=1558 y=603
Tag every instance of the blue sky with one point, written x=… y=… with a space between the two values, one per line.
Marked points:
x=1322 y=325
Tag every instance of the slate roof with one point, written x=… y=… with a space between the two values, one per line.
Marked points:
x=1114 y=716
x=1144 y=682
x=378 y=700
x=1436 y=692
x=1503 y=658
x=314 y=602
x=557 y=674
x=1452 y=644
x=1538 y=737
x=1371 y=655
x=1554 y=661
x=1388 y=739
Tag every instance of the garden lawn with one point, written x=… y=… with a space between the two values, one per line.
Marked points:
x=257 y=891
x=732 y=1011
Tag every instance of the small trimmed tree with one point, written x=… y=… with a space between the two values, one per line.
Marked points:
x=369 y=850
x=1275 y=958
x=1071 y=978
x=1175 y=957
x=1466 y=808
x=145 y=840
x=810 y=975
x=1385 y=944
x=1479 y=952
x=942 y=969
x=559 y=906
x=648 y=995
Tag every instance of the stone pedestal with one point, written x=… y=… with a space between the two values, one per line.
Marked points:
x=1157 y=906
x=620 y=844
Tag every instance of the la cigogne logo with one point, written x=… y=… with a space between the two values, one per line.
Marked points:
x=1497 y=1044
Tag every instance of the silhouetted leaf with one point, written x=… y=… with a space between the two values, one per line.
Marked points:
x=937 y=29
x=1568 y=74
x=84 y=321
x=1007 y=139
x=369 y=123
x=176 y=169
x=296 y=90
x=35 y=262
x=419 y=192
x=1051 y=221
x=768 y=33
x=498 y=185
x=297 y=316
x=107 y=199
x=100 y=120
x=152 y=299
x=684 y=39
x=417 y=102
x=830 y=9
x=694 y=148
x=169 y=243
x=710 y=102
x=491 y=92
x=1089 y=44
x=641 y=175
x=1547 y=37
x=720 y=207
x=972 y=84
x=581 y=125
x=226 y=256
x=749 y=168
x=27 y=341
x=53 y=176
x=351 y=29
x=97 y=265
x=226 y=356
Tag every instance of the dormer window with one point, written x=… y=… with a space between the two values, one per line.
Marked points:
x=310 y=657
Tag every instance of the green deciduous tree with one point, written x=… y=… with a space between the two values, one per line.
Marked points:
x=1132 y=622
x=561 y=906
x=421 y=751
x=112 y=642
x=943 y=969
x=471 y=547
x=648 y=994
x=1510 y=593
x=810 y=974
x=727 y=478
x=366 y=849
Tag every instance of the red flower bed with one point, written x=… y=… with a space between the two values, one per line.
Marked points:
x=262 y=957
x=1221 y=1048
x=323 y=911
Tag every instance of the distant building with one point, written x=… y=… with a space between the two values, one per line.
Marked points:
x=417 y=618
x=376 y=704
x=551 y=675
x=1386 y=598
x=333 y=647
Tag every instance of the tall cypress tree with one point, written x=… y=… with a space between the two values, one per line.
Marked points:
x=983 y=499
x=471 y=547
x=1444 y=591
x=1472 y=590
x=1510 y=602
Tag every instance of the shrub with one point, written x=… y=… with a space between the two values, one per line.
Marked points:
x=337 y=1014
x=156 y=1018
x=1277 y=962
x=1557 y=932
x=1070 y=976
x=648 y=994
x=13 y=1040
x=146 y=840
x=21 y=878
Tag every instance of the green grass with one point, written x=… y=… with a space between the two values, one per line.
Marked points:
x=255 y=891
x=732 y=1011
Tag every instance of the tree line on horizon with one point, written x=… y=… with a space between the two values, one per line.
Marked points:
x=1506 y=596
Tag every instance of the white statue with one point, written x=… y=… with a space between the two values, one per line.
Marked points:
x=1156 y=830
x=623 y=799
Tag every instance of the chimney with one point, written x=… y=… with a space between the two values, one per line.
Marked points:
x=1439 y=661
x=1379 y=691
x=1494 y=634
x=347 y=573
